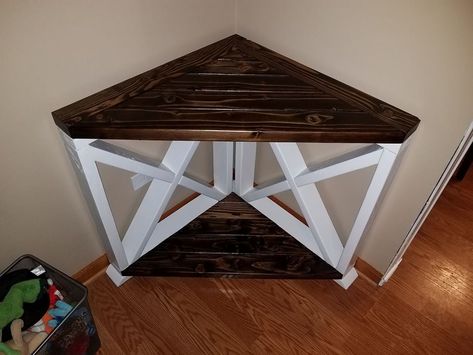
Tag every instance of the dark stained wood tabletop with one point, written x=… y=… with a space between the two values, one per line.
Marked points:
x=235 y=90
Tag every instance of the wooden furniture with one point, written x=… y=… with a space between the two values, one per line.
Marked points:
x=235 y=93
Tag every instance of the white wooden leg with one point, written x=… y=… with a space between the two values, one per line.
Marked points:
x=223 y=166
x=117 y=278
x=99 y=197
x=245 y=157
x=156 y=199
x=96 y=198
x=367 y=208
x=292 y=164
x=348 y=279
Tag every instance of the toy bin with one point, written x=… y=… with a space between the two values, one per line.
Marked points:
x=76 y=334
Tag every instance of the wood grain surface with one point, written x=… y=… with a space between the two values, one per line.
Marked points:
x=232 y=239
x=366 y=270
x=235 y=90
x=426 y=307
x=91 y=271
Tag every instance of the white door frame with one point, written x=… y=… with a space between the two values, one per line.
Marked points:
x=452 y=165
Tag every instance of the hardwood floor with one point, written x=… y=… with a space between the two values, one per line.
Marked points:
x=426 y=307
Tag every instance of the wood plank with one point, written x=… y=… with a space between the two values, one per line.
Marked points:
x=368 y=271
x=303 y=126
x=440 y=301
x=138 y=84
x=140 y=327
x=92 y=270
x=194 y=318
x=238 y=243
x=180 y=99
x=383 y=111
x=394 y=320
x=235 y=90
x=225 y=265
x=232 y=239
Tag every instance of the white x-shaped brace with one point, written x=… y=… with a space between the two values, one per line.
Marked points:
x=148 y=229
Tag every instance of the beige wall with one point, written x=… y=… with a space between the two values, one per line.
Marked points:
x=416 y=55
x=51 y=54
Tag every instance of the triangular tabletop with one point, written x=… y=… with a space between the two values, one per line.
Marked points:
x=235 y=90
x=232 y=239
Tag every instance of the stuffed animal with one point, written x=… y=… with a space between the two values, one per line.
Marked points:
x=59 y=312
x=22 y=344
x=31 y=311
x=11 y=307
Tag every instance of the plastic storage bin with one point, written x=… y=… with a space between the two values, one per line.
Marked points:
x=77 y=333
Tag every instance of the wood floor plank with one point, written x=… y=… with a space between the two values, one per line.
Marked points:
x=287 y=313
x=198 y=317
x=108 y=343
x=348 y=307
x=459 y=247
x=228 y=309
x=436 y=295
x=393 y=326
x=136 y=325
x=441 y=272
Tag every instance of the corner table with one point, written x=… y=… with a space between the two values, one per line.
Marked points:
x=236 y=94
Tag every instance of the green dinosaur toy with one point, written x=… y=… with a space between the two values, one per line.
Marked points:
x=12 y=306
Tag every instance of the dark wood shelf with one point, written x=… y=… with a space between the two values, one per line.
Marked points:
x=232 y=239
x=235 y=90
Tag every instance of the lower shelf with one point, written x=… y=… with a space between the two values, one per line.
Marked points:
x=232 y=239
